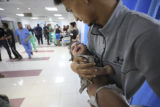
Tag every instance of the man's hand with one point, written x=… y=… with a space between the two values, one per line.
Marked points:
x=10 y=37
x=2 y=38
x=26 y=40
x=89 y=70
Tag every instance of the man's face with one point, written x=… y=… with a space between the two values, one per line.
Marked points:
x=20 y=26
x=82 y=11
x=29 y=27
x=78 y=49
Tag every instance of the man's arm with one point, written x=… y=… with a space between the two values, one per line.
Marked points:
x=106 y=97
x=28 y=38
x=18 y=39
x=16 y=34
x=147 y=58
x=8 y=37
x=2 y=38
x=9 y=34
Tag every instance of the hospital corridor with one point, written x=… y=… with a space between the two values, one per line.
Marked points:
x=46 y=80
x=79 y=53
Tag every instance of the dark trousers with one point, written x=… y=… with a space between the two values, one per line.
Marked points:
x=6 y=46
x=47 y=36
x=40 y=39
x=14 y=51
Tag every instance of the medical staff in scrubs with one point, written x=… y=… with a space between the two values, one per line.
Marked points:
x=24 y=38
x=32 y=39
x=54 y=38
x=50 y=32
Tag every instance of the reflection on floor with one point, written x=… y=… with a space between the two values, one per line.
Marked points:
x=33 y=59
x=41 y=83
x=21 y=73
x=41 y=51
x=16 y=102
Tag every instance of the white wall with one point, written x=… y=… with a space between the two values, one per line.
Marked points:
x=14 y=20
x=65 y=23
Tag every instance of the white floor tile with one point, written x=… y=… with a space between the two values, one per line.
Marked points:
x=57 y=85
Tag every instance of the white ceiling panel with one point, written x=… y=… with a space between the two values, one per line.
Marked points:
x=37 y=9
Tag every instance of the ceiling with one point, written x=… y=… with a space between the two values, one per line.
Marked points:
x=37 y=9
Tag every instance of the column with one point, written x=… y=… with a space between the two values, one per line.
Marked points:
x=130 y=4
x=143 y=6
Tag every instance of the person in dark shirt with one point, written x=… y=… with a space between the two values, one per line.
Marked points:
x=3 y=42
x=38 y=32
x=11 y=41
x=74 y=32
x=45 y=31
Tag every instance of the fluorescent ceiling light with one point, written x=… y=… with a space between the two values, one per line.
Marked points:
x=57 y=15
x=20 y=15
x=18 y=8
x=35 y=18
x=1 y=9
x=29 y=8
x=60 y=18
x=51 y=8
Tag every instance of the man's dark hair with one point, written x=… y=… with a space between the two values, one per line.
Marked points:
x=57 y=2
x=73 y=24
x=5 y=25
x=19 y=22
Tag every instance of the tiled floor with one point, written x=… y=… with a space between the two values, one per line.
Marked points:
x=40 y=50
x=33 y=59
x=21 y=73
x=56 y=86
x=16 y=102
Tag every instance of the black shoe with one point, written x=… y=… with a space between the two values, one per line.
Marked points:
x=31 y=53
x=29 y=57
x=2 y=76
x=19 y=58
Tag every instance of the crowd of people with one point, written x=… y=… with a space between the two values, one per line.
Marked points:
x=27 y=37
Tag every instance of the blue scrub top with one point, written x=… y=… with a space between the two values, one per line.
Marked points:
x=23 y=34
